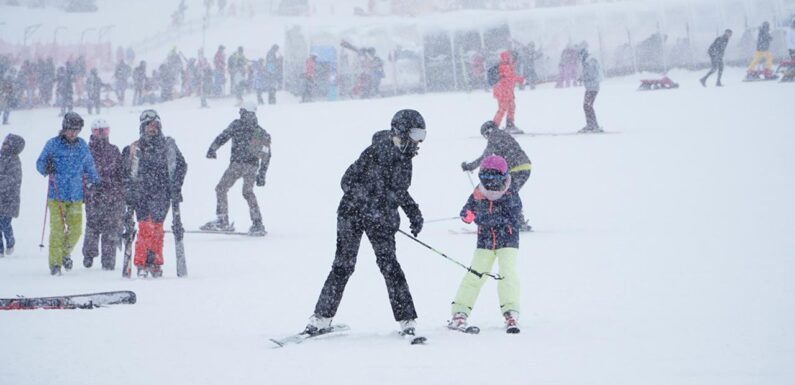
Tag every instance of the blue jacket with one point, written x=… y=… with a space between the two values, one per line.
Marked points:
x=498 y=220
x=71 y=161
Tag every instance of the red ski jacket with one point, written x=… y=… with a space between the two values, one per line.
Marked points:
x=503 y=90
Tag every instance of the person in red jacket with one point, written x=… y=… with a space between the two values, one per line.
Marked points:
x=503 y=92
x=310 y=70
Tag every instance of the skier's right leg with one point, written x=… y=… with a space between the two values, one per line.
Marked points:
x=57 y=233
x=502 y=109
x=90 y=245
x=231 y=175
x=508 y=287
x=470 y=286
x=349 y=237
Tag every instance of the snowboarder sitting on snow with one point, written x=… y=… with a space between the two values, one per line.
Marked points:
x=374 y=186
x=154 y=170
x=251 y=155
x=496 y=209
x=10 y=182
x=66 y=159
x=503 y=144
x=591 y=79
x=104 y=202
x=503 y=92
x=716 y=51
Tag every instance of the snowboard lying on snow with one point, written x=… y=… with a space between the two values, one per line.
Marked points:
x=78 y=301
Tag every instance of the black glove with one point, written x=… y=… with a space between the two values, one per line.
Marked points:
x=210 y=154
x=261 y=179
x=49 y=167
x=416 y=224
x=466 y=167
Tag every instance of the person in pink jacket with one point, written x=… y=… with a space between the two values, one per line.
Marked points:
x=503 y=92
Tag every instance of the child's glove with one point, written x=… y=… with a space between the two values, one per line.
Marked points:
x=468 y=216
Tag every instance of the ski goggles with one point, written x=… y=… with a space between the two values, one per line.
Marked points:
x=417 y=134
x=101 y=131
x=491 y=175
x=148 y=116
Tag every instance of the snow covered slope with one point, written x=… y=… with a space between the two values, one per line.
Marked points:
x=662 y=255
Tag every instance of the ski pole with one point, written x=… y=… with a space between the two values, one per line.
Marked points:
x=469 y=269
x=44 y=221
x=469 y=176
x=441 y=219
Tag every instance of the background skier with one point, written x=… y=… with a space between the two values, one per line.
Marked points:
x=504 y=145
x=374 y=186
x=763 y=40
x=10 y=183
x=66 y=159
x=251 y=154
x=591 y=79
x=716 y=51
x=503 y=92
x=154 y=170
x=105 y=201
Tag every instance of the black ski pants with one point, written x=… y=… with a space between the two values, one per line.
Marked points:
x=717 y=65
x=350 y=228
x=587 y=105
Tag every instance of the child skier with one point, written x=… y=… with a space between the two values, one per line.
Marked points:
x=497 y=211
x=10 y=181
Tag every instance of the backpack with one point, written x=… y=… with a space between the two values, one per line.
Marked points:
x=493 y=75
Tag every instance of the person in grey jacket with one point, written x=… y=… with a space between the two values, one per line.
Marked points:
x=591 y=79
x=10 y=182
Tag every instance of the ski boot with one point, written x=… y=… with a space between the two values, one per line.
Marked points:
x=512 y=129
x=511 y=322
x=9 y=251
x=703 y=82
x=67 y=263
x=88 y=262
x=458 y=322
x=590 y=130
x=142 y=272
x=316 y=325
x=408 y=327
x=55 y=270
x=257 y=229
x=156 y=271
x=221 y=224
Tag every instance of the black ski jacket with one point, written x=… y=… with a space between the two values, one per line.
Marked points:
x=154 y=171
x=250 y=143
x=718 y=47
x=764 y=39
x=377 y=183
x=503 y=144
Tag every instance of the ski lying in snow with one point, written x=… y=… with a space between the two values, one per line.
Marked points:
x=128 y=236
x=223 y=233
x=301 y=337
x=567 y=133
x=468 y=330
x=413 y=338
x=78 y=301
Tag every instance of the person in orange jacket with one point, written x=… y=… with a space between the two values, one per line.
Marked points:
x=503 y=92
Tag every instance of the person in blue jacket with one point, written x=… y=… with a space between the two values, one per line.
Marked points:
x=67 y=160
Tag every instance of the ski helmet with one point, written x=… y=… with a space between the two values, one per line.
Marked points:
x=99 y=123
x=148 y=116
x=408 y=127
x=493 y=172
x=487 y=128
x=72 y=121
x=248 y=107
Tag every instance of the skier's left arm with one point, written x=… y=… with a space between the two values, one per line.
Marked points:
x=265 y=161
x=220 y=140
x=404 y=199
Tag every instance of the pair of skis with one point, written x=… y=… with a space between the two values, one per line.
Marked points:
x=337 y=329
x=179 y=245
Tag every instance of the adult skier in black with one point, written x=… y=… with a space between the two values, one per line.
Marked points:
x=716 y=51
x=374 y=186
x=503 y=144
x=251 y=155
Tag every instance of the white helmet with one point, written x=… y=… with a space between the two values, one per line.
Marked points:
x=99 y=123
x=248 y=106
